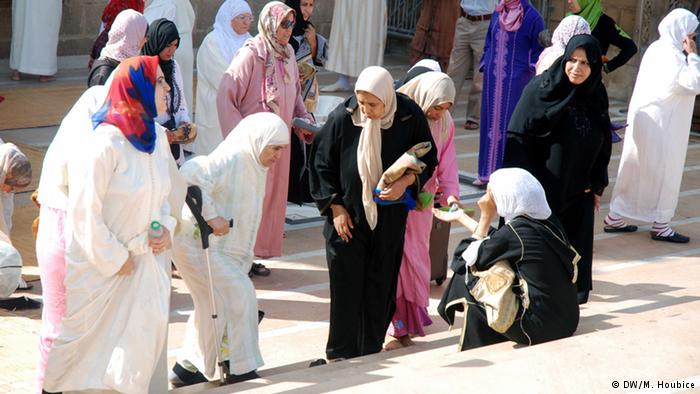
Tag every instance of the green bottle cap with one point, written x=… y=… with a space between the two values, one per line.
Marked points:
x=155 y=225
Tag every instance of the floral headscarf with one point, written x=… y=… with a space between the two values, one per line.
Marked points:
x=131 y=104
x=128 y=30
x=510 y=14
x=277 y=58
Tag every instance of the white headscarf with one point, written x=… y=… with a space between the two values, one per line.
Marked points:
x=233 y=176
x=10 y=267
x=516 y=192
x=377 y=81
x=427 y=63
x=663 y=61
x=228 y=40
x=431 y=89
x=15 y=168
x=126 y=35
x=568 y=27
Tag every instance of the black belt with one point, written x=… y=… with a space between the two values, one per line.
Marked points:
x=474 y=18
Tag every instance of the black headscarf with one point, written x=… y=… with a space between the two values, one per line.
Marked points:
x=161 y=33
x=547 y=95
x=300 y=24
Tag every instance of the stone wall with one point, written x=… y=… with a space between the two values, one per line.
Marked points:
x=81 y=21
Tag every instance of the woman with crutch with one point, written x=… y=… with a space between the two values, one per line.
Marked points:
x=232 y=181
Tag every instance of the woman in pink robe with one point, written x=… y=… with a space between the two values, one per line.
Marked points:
x=434 y=92
x=263 y=77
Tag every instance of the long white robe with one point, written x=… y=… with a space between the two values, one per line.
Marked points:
x=232 y=181
x=35 y=27
x=211 y=66
x=182 y=14
x=115 y=326
x=660 y=114
x=358 y=36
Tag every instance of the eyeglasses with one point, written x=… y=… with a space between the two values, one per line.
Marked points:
x=245 y=18
x=287 y=24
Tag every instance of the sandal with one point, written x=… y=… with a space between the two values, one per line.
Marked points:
x=629 y=228
x=259 y=270
x=23 y=285
x=471 y=125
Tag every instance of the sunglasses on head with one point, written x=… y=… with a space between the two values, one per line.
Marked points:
x=287 y=24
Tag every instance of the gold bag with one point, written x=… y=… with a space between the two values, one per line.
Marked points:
x=494 y=291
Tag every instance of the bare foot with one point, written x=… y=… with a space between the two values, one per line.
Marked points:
x=393 y=345
x=47 y=78
x=16 y=76
x=406 y=341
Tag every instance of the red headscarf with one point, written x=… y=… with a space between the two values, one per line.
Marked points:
x=114 y=7
x=131 y=104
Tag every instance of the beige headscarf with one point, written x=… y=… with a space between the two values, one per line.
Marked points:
x=431 y=89
x=377 y=81
x=266 y=46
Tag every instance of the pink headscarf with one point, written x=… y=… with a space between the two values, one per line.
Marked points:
x=277 y=58
x=510 y=14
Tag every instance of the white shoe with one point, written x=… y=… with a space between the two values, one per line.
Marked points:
x=336 y=87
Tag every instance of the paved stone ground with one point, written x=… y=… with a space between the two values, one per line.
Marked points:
x=640 y=323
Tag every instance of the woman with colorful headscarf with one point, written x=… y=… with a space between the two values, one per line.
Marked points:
x=535 y=248
x=232 y=181
x=264 y=77
x=109 y=16
x=126 y=38
x=434 y=93
x=365 y=240
x=231 y=25
x=510 y=53
x=606 y=31
x=117 y=282
x=163 y=41
x=568 y=27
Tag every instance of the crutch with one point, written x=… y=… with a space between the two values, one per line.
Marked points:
x=193 y=199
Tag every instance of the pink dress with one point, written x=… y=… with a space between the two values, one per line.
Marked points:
x=241 y=94
x=413 y=289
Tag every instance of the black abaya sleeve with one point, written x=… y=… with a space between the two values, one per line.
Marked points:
x=324 y=164
x=599 y=170
x=502 y=244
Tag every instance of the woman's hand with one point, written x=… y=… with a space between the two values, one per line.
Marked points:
x=487 y=206
x=395 y=190
x=453 y=201
x=307 y=136
x=170 y=135
x=310 y=36
x=219 y=226
x=689 y=45
x=342 y=222
x=158 y=245
x=448 y=216
x=128 y=266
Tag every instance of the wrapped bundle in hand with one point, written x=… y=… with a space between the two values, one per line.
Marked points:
x=408 y=163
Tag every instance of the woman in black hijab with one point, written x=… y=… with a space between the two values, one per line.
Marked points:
x=560 y=132
x=163 y=41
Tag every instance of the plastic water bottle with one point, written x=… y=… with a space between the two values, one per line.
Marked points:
x=155 y=230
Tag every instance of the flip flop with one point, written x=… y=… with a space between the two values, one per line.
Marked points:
x=630 y=228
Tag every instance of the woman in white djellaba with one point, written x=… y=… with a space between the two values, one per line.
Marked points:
x=231 y=25
x=117 y=282
x=656 y=141
x=232 y=180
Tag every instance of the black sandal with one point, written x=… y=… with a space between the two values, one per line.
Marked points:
x=259 y=270
x=629 y=228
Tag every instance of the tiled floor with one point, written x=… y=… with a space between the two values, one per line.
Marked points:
x=640 y=323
